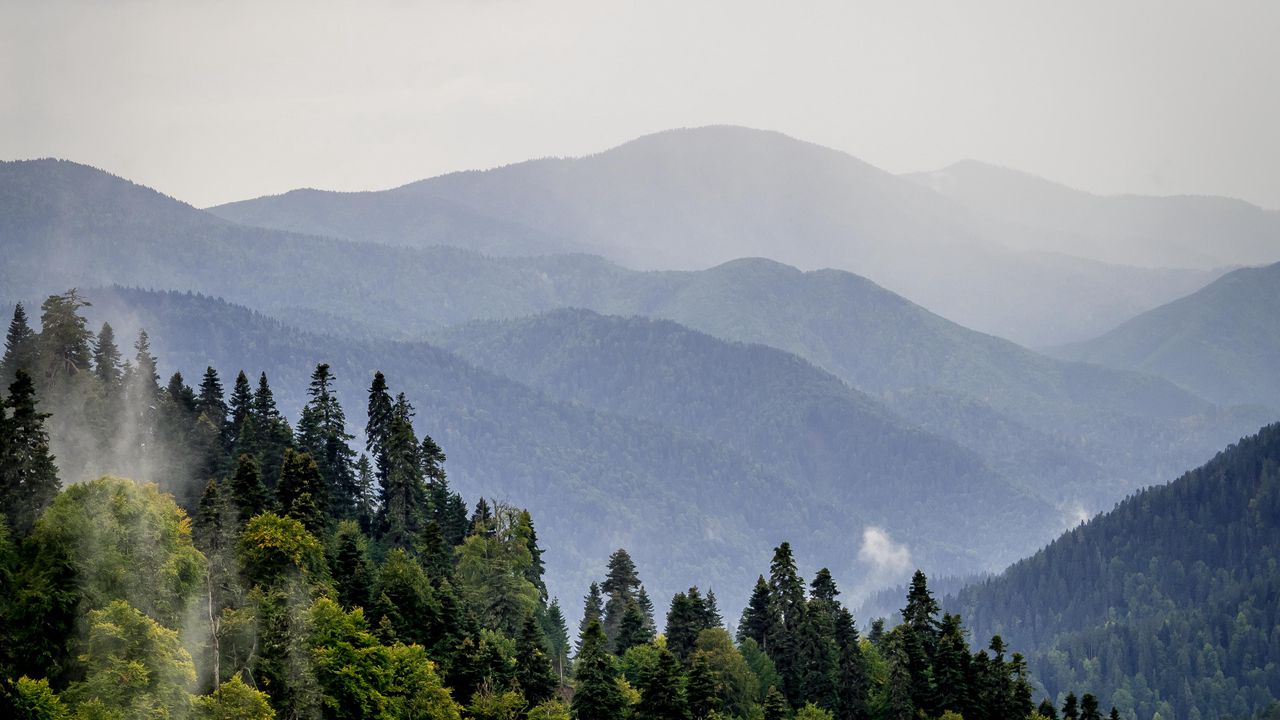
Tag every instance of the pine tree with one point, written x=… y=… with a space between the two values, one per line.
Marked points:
x=248 y=496
x=63 y=342
x=646 y=607
x=852 y=685
x=703 y=690
x=620 y=587
x=787 y=608
x=402 y=510
x=592 y=611
x=714 y=619
x=377 y=431
x=1089 y=708
x=366 y=501
x=28 y=477
x=557 y=634
x=757 y=619
x=323 y=433
x=534 y=671
x=633 y=630
x=106 y=359
x=775 y=705
x=899 y=691
x=920 y=625
x=210 y=402
x=240 y=405
x=661 y=697
x=20 y=350
x=352 y=571
x=951 y=667
x=301 y=490
x=1070 y=708
x=597 y=695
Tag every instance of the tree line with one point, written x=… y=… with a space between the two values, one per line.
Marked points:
x=277 y=571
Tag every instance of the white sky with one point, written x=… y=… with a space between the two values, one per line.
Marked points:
x=216 y=101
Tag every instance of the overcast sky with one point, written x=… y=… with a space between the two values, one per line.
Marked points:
x=216 y=101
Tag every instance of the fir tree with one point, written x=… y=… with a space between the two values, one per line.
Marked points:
x=240 y=405
x=787 y=608
x=775 y=705
x=377 y=431
x=1047 y=710
x=592 y=611
x=633 y=630
x=28 y=477
x=851 y=685
x=106 y=358
x=757 y=618
x=352 y=571
x=301 y=490
x=661 y=695
x=210 y=402
x=557 y=634
x=1089 y=708
x=403 y=503
x=63 y=342
x=248 y=495
x=1070 y=707
x=534 y=671
x=597 y=695
x=20 y=350
x=323 y=433
x=703 y=691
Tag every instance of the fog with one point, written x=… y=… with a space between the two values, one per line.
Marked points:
x=217 y=102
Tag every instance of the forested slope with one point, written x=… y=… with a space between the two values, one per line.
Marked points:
x=1168 y=604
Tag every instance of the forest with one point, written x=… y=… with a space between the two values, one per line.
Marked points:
x=273 y=569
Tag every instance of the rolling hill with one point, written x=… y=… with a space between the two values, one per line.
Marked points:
x=693 y=198
x=1168 y=604
x=1222 y=342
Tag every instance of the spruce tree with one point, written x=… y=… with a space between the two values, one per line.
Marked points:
x=852 y=684
x=592 y=611
x=597 y=695
x=1047 y=710
x=377 y=430
x=703 y=690
x=556 y=632
x=64 y=341
x=106 y=359
x=20 y=351
x=661 y=695
x=240 y=405
x=775 y=705
x=352 y=570
x=620 y=586
x=1070 y=707
x=210 y=402
x=951 y=667
x=28 y=477
x=787 y=610
x=322 y=431
x=1089 y=708
x=534 y=671
x=402 y=511
x=248 y=496
x=633 y=630
x=757 y=619
x=301 y=490
x=920 y=627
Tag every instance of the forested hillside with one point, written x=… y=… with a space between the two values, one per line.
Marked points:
x=1222 y=342
x=1169 y=604
x=601 y=477
x=307 y=579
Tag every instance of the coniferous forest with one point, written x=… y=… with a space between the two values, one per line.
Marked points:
x=281 y=569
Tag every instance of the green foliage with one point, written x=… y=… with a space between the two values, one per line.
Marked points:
x=549 y=710
x=133 y=667
x=233 y=700
x=28 y=478
x=1155 y=605
x=35 y=700
x=809 y=711
x=273 y=549
x=597 y=693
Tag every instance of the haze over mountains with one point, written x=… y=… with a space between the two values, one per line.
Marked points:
x=909 y=394
x=699 y=197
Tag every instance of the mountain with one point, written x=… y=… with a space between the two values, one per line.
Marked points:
x=693 y=198
x=1179 y=231
x=777 y=409
x=1168 y=604
x=69 y=225
x=1222 y=342
x=598 y=480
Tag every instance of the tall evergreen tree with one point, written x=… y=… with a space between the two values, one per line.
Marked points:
x=64 y=341
x=377 y=431
x=301 y=491
x=633 y=630
x=661 y=694
x=787 y=608
x=1070 y=707
x=323 y=433
x=757 y=618
x=402 y=510
x=28 y=477
x=702 y=688
x=248 y=495
x=106 y=358
x=352 y=570
x=20 y=351
x=597 y=695
x=852 y=684
x=240 y=405
x=1089 y=708
x=534 y=672
x=592 y=611
x=211 y=403
x=620 y=587
x=557 y=634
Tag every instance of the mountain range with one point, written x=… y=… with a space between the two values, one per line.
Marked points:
x=693 y=198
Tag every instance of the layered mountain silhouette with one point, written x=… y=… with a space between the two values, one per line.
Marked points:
x=693 y=198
